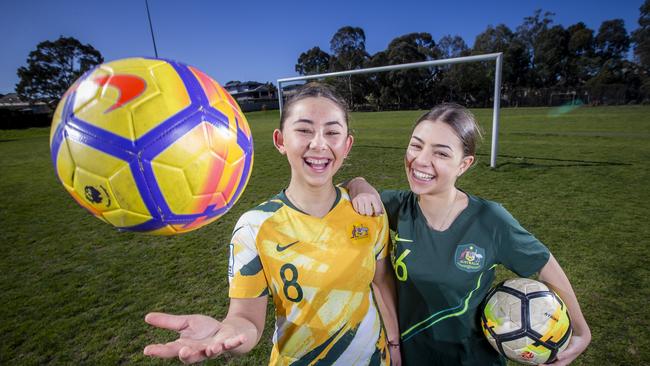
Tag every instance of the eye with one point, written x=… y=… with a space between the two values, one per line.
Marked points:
x=442 y=154
x=415 y=146
x=332 y=133
x=303 y=131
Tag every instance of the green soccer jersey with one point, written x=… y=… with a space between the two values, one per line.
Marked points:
x=442 y=276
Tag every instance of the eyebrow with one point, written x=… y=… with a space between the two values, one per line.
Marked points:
x=305 y=120
x=434 y=145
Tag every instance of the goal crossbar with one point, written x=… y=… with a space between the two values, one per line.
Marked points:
x=498 y=57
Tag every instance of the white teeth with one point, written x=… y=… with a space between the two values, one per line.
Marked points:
x=316 y=161
x=423 y=176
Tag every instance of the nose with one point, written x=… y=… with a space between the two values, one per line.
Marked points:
x=317 y=142
x=421 y=158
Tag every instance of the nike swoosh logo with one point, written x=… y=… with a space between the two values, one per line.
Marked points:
x=397 y=238
x=280 y=249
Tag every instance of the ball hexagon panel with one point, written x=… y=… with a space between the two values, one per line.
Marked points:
x=525 y=286
x=523 y=350
x=504 y=310
x=548 y=318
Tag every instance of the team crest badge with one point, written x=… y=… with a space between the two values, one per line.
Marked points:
x=469 y=257
x=359 y=231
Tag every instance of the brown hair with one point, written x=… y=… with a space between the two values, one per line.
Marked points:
x=315 y=90
x=460 y=119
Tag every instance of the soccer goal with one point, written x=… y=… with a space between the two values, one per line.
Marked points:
x=498 y=57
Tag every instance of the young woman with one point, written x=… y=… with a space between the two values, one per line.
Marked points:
x=446 y=245
x=311 y=251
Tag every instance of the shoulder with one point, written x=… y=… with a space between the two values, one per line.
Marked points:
x=491 y=212
x=254 y=217
x=395 y=196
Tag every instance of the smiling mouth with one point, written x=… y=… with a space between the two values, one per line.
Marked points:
x=421 y=176
x=318 y=164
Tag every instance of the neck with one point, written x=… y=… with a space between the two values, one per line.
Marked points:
x=313 y=200
x=439 y=200
x=440 y=209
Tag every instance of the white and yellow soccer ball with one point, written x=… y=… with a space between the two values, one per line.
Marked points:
x=526 y=321
x=151 y=145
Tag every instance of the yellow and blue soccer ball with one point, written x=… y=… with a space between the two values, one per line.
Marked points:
x=151 y=145
x=526 y=321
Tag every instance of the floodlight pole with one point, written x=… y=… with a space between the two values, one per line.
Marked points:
x=457 y=60
x=155 y=50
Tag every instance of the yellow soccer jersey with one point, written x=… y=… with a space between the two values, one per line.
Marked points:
x=318 y=271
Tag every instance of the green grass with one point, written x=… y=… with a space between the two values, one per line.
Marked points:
x=75 y=291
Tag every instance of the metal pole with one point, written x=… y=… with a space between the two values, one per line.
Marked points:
x=495 y=112
x=456 y=60
x=155 y=50
x=280 y=96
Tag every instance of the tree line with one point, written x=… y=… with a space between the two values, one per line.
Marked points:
x=544 y=64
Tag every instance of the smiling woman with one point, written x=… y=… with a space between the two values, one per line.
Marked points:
x=448 y=243
x=324 y=265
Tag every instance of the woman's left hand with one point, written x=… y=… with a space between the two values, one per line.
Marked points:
x=577 y=345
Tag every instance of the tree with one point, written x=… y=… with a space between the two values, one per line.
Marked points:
x=450 y=47
x=516 y=65
x=612 y=41
x=314 y=61
x=527 y=33
x=551 y=56
x=413 y=87
x=641 y=36
x=53 y=66
x=348 y=46
x=581 y=64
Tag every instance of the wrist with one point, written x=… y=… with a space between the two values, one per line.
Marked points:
x=392 y=343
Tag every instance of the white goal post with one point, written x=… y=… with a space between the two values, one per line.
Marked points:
x=498 y=57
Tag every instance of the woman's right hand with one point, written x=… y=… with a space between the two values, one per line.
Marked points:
x=200 y=337
x=365 y=198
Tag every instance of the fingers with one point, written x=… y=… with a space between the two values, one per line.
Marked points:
x=169 y=350
x=224 y=345
x=234 y=342
x=190 y=355
x=167 y=321
x=378 y=208
x=367 y=205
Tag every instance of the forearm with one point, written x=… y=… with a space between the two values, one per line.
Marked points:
x=246 y=317
x=553 y=275
x=386 y=297
x=358 y=185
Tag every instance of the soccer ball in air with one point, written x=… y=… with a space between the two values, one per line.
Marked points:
x=151 y=146
x=525 y=321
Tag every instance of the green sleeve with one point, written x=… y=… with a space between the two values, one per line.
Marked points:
x=517 y=249
x=392 y=201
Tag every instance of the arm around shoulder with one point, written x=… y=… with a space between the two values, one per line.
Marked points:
x=364 y=197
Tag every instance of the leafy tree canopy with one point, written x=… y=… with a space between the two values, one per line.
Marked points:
x=53 y=66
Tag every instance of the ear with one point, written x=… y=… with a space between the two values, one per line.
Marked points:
x=348 y=145
x=465 y=164
x=278 y=141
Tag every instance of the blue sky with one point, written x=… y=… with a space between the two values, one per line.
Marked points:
x=261 y=40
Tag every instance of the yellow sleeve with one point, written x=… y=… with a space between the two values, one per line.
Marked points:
x=245 y=271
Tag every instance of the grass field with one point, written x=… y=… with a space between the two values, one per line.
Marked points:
x=75 y=291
